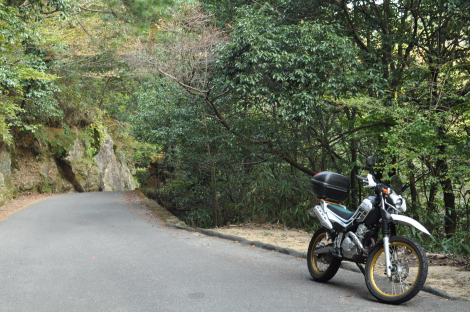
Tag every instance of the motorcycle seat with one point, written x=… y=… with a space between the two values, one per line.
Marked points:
x=340 y=211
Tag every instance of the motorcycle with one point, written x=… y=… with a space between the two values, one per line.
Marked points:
x=396 y=267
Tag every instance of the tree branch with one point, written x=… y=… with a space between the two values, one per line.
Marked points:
x=297 y=165
x=98 y=11
x=387 y=124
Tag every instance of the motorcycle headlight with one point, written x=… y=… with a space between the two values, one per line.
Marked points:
x=398 y=202
x=401 y=204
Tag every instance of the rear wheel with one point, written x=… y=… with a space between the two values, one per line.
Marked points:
x=324 y=266
x=409 y=271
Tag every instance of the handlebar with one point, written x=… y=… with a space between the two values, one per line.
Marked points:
x=361 y=178
x=373 y=183
x=379 y=186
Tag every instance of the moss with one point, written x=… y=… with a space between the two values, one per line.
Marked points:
x=6 y=191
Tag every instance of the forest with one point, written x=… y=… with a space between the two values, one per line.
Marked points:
x=228 y=108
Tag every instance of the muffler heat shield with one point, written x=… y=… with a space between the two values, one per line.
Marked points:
x=321 y=215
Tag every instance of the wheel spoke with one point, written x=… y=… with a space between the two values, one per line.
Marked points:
x=405 y=266
x=322 y=266
x=322 y=261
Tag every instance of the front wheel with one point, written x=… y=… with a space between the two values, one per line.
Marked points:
x=324 y=266
x=409 y=271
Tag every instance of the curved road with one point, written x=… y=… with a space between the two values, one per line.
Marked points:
x=103 y=252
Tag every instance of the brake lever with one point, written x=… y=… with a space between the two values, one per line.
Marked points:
x=361 y=178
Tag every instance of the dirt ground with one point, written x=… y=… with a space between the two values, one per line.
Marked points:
x=445 y=273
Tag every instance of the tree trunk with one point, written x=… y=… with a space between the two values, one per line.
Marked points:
x=353 y=198
x=450 y=220
x=431 y=205
x=414 y=194
x=216 y=208
x=214 y=196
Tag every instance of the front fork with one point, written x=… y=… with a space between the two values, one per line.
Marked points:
x=386 y=239
x=388 y=262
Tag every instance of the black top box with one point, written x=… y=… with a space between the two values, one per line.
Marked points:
x=330 y=186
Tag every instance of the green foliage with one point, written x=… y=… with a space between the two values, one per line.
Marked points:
x=140 y=13
x=170 y=119
x=8 y=111
x=163 y=115
x=281 y=77
x=26 y=86
x=59 y=141
x=292 y=11
x=318 y=87
x=456 y=245
x=92 y=136
x=294 y=67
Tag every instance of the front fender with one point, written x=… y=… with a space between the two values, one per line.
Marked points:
x=404 y=220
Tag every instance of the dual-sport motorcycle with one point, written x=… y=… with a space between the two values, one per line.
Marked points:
x=396 y=267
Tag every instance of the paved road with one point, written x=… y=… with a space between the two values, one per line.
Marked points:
x=102 y=252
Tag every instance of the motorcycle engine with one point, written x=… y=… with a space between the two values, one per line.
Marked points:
x=349 y=247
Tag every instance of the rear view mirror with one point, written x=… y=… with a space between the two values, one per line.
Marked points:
x=370 y=161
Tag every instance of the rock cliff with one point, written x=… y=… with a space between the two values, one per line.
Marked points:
x=107 y=171
x=75 y=171
x=5 y=173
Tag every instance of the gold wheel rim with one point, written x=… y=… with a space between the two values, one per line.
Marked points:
x=373 y=267
x=313 y=259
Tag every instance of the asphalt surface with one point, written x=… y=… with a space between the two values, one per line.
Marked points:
x=103 y=252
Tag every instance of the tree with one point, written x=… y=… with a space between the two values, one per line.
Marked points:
x=266 y=87
x=20 y=66
x=279 y=75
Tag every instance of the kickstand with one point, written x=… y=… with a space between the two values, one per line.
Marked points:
x=361 y=268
